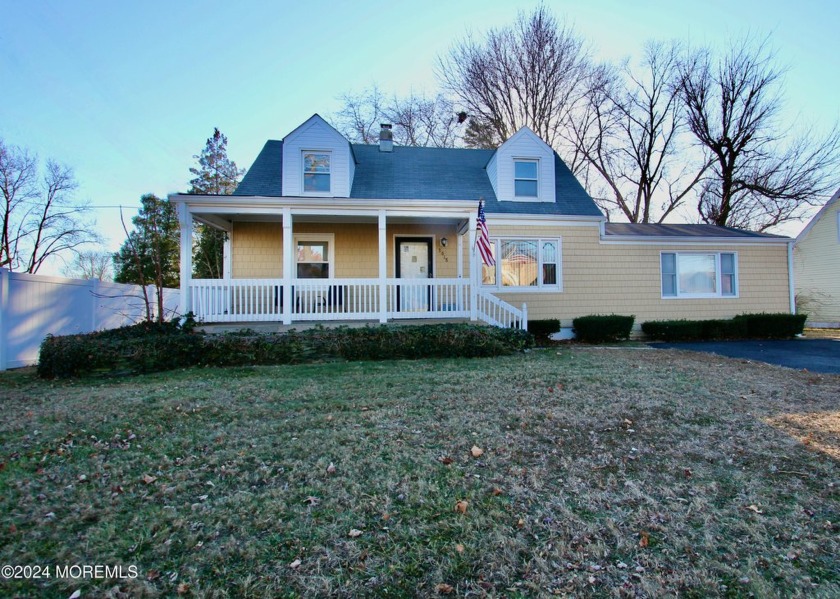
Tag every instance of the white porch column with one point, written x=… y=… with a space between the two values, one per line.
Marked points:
x=460 y=250
x=185 y=219
x=473 y=267
x=383 y=268
x=288 y=265
x=227 y=259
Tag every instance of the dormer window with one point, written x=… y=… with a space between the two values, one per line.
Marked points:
x=526 y=182
x=316 y=172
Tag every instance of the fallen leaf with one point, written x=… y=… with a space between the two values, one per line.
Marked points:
x=355 y=532
x=444 y=589
x=754 y=508
x=295 y=564
x=476 y=451
x=183 y=588
x=445 y=460
x=496 y=491
x=312 y=500
x=149 y=479
x=331 y=468
x=12 y=528
x=152 y=575
x=461 y=506
x=644 y=539
x=628 y=422
x=521 y=523
x=459 y=548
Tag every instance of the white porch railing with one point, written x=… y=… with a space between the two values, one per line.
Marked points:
x=254 y=300
x=494 y=311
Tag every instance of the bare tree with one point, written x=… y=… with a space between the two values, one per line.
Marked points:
x=530 y=74
x=41 y=219
x=761 y=175
x=359 y=118
x=90 y=264
x=417 y=120
x=420 y=121
x=629 y=132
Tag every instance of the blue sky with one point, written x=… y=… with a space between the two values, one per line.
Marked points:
x=127 y=92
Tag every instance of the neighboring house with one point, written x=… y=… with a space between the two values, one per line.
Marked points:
x=817 y=266
x=383 y=232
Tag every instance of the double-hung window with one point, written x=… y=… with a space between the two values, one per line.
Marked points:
x=315 y=256
x=316 y=172
x=699 y=274
x=526 y=179
x=524 y=264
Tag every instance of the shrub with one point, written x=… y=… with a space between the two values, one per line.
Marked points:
x=744 y=326
x=672 y=330
x=772 y=326
x=722 y=329
x=542 y=329
x=131 y=350
x=600 y=328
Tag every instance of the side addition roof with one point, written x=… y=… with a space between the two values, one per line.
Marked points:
x=647 y=230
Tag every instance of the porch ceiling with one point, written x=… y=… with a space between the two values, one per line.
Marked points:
x=214 y=218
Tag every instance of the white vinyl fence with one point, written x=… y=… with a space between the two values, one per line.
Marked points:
x=34 y=306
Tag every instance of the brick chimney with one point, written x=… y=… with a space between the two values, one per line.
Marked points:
x=386 y=138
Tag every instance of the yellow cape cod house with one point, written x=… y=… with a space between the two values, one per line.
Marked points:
x=324 y=230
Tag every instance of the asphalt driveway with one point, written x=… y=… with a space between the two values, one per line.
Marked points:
x=815 y=355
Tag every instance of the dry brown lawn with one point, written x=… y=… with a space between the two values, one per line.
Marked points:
x=568 y=471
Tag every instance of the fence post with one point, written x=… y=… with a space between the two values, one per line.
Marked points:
x=4 y=306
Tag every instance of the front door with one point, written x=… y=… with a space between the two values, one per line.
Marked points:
x=414 y=261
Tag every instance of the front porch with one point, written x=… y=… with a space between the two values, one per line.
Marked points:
x=331 y=300
x=289 y=260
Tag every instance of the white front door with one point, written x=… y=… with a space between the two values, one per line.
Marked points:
x=414 y=261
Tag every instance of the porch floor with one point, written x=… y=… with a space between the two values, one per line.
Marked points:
x=279 y=327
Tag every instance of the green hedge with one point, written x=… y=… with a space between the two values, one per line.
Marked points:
x=601 y=328
x=744 y=326
x=133 y=350
x=773 y=325
x=542 y=329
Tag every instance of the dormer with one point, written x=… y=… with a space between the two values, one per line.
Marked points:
x=522 y=169
x=317 y=161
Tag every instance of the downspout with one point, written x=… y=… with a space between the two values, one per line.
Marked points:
x=791 y=281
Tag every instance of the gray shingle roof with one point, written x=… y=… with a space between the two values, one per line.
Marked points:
x=669 y=230
x=264 y=178
x=424 y=174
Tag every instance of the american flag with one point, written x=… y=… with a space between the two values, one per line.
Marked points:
x=482 y=239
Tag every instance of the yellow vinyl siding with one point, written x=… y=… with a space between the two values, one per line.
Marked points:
x=597 y=278
x=258 y=248
x=602 y=278
x=817 y=266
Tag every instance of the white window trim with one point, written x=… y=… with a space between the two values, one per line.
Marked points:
x=718 y=277
x=536 y=198
x=317 y=194
x=539 y=288
x=329 y=238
